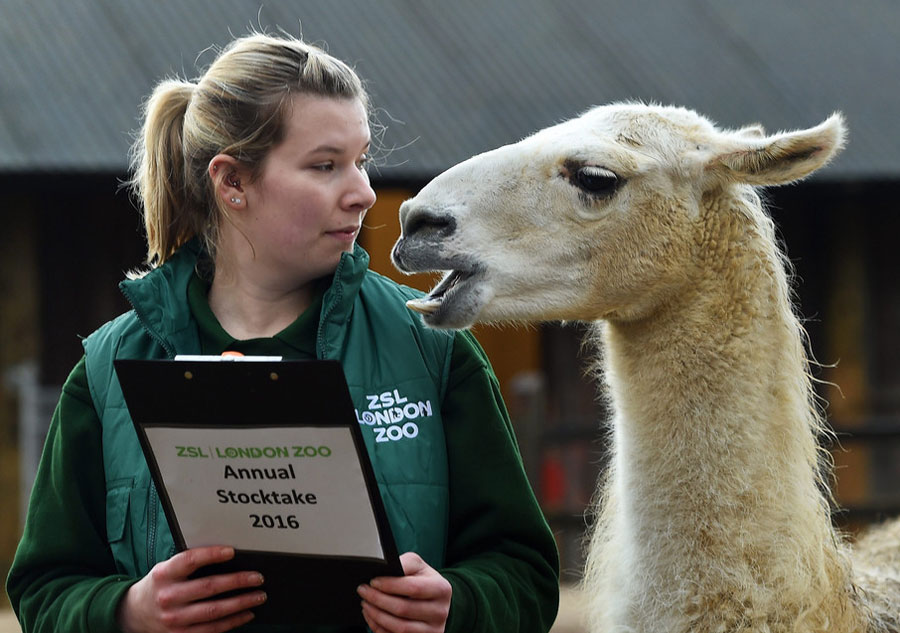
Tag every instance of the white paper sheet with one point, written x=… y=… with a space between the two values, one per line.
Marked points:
x=297 y=490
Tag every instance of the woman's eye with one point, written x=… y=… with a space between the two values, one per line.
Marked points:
x=363 y=161
x=324 y=166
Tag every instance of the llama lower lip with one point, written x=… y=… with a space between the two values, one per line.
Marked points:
x=431 y=303
x=448 y=289
x=449 y=283
x=454 y=303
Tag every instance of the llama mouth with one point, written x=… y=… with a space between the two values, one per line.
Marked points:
x=449 y=285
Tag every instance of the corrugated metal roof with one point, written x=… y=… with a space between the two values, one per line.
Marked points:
x=456 y=78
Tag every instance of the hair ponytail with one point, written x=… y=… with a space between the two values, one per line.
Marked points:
x=159 y=175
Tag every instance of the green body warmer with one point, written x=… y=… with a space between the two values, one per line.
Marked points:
x=396 y=370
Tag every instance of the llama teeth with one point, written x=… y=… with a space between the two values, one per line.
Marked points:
x=423 y=306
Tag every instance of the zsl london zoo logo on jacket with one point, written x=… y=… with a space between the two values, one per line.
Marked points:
x=393 y=417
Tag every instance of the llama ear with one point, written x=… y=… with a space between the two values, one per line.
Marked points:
x=780 y=158
x=754 y=130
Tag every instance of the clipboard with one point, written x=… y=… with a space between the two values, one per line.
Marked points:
x=244 y=447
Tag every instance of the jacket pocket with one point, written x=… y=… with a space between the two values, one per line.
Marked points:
x=118 y=501
x=120 y=505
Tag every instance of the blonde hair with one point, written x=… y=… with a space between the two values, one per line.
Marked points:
x=237 y=108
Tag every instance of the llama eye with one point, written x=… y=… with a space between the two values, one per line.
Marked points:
x=596 y=181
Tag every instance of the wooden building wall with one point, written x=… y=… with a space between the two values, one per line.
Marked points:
x=18 y=344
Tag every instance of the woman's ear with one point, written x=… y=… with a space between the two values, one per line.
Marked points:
x=227 y=174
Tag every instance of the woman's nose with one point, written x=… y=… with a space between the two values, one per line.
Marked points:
x=361 y=195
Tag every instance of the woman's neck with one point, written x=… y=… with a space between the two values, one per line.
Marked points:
x=247 y=308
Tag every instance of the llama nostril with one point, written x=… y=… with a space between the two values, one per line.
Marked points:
x=428 y=224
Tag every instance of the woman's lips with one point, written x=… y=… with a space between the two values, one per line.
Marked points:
x=347 y=233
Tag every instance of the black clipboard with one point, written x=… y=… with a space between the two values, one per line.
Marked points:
x=301 y=588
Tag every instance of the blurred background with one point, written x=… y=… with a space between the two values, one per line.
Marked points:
x=451 y=79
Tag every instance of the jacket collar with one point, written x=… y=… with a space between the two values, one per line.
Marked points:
x=159 y=299
x=337 y=304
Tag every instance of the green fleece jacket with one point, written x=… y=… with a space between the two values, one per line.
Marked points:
x=500 y=557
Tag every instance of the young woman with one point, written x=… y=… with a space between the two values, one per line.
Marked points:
x=253 y=187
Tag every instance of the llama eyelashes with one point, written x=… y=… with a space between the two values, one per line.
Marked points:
x=593 y=181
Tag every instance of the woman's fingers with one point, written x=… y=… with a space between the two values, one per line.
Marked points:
x=208 y=586
x=383 y=622
x=225 y=624
x=167 y=599
x=187 y=562
x=417 y=601
x=215 y=613
x=402 y=607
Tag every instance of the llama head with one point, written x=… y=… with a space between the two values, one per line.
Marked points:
x=598 y=217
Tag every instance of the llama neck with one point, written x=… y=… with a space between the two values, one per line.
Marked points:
x=714 y=436
x=712 y=400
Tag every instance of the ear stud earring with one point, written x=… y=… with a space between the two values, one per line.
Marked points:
x=236 y=200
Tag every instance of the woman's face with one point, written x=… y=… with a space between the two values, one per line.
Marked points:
x=308 y=204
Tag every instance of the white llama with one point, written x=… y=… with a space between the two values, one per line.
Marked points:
x=714 y=514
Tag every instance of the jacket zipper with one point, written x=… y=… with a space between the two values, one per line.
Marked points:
x=152 y=513
x=153 y=500
x=323 y=318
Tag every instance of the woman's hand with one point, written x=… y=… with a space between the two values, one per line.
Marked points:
x=165 y=600
x=418 y=602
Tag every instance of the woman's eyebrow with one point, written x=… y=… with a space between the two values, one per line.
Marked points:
x=334 y=149
x=327 y=149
